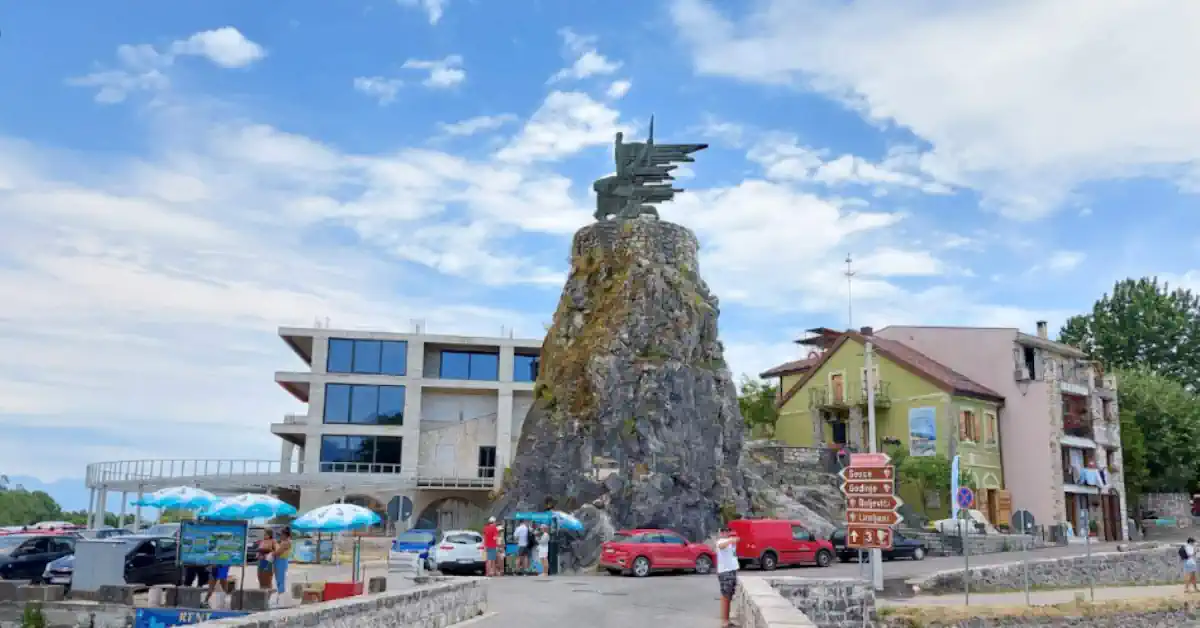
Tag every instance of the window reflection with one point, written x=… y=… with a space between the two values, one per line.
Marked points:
x=469 y=365
x=525 y=368
x=363 y=404
x=386 y=357
x=361 y=454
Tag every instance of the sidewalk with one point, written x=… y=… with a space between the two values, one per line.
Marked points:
x=1043 y=598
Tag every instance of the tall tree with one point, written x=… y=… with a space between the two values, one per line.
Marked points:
x=19 y=507
x=756 y=399
x=1160 y=433
x=1143 y=324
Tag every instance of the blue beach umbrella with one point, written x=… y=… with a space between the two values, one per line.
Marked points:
x=567 y=522
x=248 y=506
x=178 y=498
x=336 y=518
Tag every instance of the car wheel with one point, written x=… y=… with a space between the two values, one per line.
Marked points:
x=704 y=564
x=919 y=553
x=824 y=558
x=641 y=566
x=769 y=561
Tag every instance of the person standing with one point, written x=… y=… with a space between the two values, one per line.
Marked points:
x=491 y=546
x=1188 y=554
x=283 y=552
x=543 y=550
x=266 y=569
x=522 y=537
x=727 y=568
x=220 y=578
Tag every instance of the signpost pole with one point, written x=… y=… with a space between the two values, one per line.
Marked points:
x=1025 y=561
x=876 y=555
x=966 y=558
x=1087 y=543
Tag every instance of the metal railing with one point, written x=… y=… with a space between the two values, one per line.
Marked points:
x=189 y=471
x=824 y=397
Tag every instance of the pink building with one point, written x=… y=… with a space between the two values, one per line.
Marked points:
x=1059 y=429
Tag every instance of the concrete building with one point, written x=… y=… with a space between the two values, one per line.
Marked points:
x=1059 y=424
x=431 y=417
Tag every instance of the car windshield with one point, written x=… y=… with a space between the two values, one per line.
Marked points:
x=415 y=537
x=163 y=529
x=838 y=536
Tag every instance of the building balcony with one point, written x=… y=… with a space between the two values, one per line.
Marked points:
x=295 y=419
x=824 y=397
x=1079 y=426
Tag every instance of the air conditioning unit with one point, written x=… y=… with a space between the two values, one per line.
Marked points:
x=1021 y=374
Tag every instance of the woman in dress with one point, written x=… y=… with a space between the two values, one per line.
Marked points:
x=283 y=551
x=266 y=567
x=543 y=549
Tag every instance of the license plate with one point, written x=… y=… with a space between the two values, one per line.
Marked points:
x=466 y=560
x=60 y=580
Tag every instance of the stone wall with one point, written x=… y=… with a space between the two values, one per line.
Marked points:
x=1157 y=614
x=88 y=614
x=1143 y=567
x=768 y=602
x=443 y=603
x=1177 y=506
x=952 y=545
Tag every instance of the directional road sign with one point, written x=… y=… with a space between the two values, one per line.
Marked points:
x=871 y=517
x=965 y=498
x=869 y=537
x=870 y=460
x=884 y=502
x=869 y=473
x=868 y=487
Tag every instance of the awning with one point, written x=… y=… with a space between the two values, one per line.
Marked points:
x=1077 y=441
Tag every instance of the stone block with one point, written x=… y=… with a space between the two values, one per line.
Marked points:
x=116 y=594
x=189 y=597
x=297 y=590
x=252 y=600
x=164 y=594
x=377 y=584
x=9 y=590
x=38 y=593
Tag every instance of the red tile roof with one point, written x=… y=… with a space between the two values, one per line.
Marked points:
x=789 y=368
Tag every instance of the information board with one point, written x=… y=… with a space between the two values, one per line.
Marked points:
x=162 y=617
x=204 y=543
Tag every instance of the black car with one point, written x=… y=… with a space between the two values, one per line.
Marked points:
x=902 y=547
x=149 y=560
x=25 y=556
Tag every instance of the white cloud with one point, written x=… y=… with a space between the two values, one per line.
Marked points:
x=783 y=158
x=435 y=9
x=143 y=68
x=1023 y=100
x=443 y=73
x=585 y=57
x=617 y=89
x=225 y=46
x=1062 y=261
x=478 y=124
x=379 y=87
x=566 y=123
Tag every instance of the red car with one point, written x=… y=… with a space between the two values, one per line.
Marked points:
x=769 y=543
x=640 y=552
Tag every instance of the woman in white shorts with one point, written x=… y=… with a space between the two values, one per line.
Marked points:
x=543 y=550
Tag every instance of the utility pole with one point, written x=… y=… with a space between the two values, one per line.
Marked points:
x=849 y=292
x=876 y=555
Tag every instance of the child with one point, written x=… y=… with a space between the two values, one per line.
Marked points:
x=727 y=568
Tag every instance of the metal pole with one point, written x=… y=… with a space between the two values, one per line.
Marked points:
x=966 y=556
x=1025 y=562
x=876 y=555
x=1087 y=543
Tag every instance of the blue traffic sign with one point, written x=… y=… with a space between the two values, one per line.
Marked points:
x=965 y=498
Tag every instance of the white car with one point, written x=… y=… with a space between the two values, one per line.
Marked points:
x=976 y=523
x=460 y=551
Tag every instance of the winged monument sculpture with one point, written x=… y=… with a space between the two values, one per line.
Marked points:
x=642 y=178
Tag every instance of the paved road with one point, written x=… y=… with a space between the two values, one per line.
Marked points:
x=602 y=601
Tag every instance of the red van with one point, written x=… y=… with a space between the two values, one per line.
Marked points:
x=769 y=543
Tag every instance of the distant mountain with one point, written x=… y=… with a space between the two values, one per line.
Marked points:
x=70 y=493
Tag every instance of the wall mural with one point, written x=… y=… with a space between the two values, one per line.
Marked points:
x=922 y=431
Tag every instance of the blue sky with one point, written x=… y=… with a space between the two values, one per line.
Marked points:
x=178 y=179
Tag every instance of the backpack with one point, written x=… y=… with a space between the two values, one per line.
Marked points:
x=1183 y=555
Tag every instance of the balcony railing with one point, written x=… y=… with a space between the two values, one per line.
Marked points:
x=826 y=397
x=295 y=419
x=130 y=474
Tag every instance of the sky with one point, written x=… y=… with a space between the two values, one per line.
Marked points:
x=178 y=180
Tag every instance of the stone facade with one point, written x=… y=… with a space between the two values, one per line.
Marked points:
x=769 y=602
x=1177 y=506
x=70 y=614
x=1185 y=614
x=443 y=603
x=1136 y=568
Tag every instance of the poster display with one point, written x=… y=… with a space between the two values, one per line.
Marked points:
x=204 y=543
x=922 y=431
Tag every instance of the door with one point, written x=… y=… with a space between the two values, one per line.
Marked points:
x=803 y=547
x=839 y=432
x=166 y=571
x=837 y=386
x=1112 y=517
x=141 y=563
x=674 y=550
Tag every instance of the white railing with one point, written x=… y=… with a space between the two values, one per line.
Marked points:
x=166 y=472
x=295 y=419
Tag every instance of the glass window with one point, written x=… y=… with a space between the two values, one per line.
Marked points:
x=485 y=367
x=525 y=368
x=337 y=403
x=455 y=365
x=800 y=534
x=361 y=448
x=394 y=358
x=366 y=356
x=487 y=462
x=391 y=405
x=364 y=404
x=333 y=450
x=673 y=539
x=341 y=355
x=388 y=449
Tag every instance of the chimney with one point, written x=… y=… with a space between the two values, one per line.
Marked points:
x=1042 y=331
x=866 y=331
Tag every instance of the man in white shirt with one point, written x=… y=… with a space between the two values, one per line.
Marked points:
x=727 y=568
x=522 y=536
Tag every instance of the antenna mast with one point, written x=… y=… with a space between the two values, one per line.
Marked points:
x=849 y=291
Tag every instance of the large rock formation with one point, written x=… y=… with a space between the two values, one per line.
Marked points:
x=635 y=411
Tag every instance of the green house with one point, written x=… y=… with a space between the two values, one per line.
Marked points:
x=920 y=404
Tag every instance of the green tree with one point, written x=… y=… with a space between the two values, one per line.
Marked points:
x=1143 y=324
x=1160 y=433
x=756 y=399
x=928 y=474
x=3 y=482
x=20 y=507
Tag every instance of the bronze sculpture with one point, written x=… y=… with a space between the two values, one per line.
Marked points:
x=643 y=177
